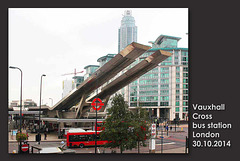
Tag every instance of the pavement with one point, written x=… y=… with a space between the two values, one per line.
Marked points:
x=175 y=150
x=51 y=137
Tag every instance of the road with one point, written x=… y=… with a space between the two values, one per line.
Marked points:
x=174 y=140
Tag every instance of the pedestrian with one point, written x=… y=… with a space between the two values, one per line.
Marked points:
x=157 y=127
x=61 y=134
x=45 y=135
x=167 y=129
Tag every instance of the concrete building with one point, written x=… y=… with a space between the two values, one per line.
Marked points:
x=25 y=103
x=127 y=33
x=163 y=90
x=68 y=86
x=77 y=80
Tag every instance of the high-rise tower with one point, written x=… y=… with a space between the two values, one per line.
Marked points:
x=127 y=33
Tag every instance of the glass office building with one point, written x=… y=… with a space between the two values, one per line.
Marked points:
x=163 y=90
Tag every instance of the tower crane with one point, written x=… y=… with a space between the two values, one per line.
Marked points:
x=75 y=73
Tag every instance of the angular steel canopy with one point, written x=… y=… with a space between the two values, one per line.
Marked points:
x=109 y=70
x=134 y=73
x=102 y=75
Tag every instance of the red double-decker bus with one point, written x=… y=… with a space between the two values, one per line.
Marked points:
x=82 y=139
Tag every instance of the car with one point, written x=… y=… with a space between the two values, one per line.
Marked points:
x=50 y=150
x=60 y=149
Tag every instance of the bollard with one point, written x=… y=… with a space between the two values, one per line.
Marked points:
x=186 y=146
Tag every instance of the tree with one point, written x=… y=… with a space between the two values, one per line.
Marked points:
x=141 y=124
x=123 y=129
x=116 y=125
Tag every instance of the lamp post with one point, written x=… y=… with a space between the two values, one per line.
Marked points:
x=162 y=139
x=96 y=120
x=40 y=109
x=20 y=107
x=51 y=100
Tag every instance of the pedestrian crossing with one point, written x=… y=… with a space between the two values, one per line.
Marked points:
x=166 y=143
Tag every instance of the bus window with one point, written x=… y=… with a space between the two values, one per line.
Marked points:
x=74 y=138
x=83 y=138
x=90 y=137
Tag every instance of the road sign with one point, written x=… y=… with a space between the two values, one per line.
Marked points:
x=152 y=144
x=95 y=104
x=153 y=130
x=152 y=139
x=24 y=147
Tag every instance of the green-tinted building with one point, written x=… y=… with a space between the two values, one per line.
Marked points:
x=163 y=90
x=104 y=59
x=90 y=69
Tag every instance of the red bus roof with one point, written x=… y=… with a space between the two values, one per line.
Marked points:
x=83 y=133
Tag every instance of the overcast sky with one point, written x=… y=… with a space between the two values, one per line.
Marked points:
x=55 y=41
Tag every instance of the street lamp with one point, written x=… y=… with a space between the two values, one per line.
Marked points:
x=96 y=119
x=20 y=107
x=39 y=136
x=51 y=100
